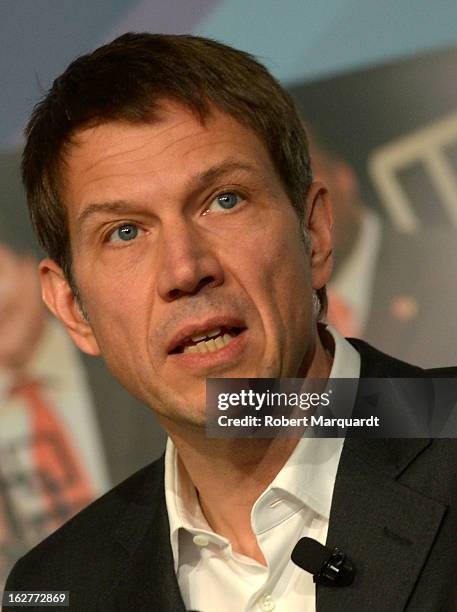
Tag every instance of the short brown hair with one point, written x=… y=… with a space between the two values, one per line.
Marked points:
x=126 y=80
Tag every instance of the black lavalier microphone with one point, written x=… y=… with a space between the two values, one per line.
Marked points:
x=329 y=566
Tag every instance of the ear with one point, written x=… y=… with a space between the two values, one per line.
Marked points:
x=319 y=221
x=60 y=299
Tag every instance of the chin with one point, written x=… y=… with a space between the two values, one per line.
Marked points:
x=184 y=411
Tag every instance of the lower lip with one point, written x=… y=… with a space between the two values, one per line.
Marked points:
x=222 y=356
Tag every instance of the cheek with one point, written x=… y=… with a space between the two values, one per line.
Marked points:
x=290 y=291
x=117 y=309
x=276 y=260
x=120 y=326
x=272 y=267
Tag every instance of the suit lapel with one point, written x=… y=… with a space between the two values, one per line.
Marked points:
x=146 y=580
x=374 y=518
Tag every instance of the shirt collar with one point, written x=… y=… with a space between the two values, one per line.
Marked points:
x=183 y=507
x=346 y=359
x=307 y=478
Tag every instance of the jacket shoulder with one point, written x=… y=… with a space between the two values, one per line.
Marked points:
x=86 y=548
x=376 y=364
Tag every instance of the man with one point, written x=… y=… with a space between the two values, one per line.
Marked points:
x=169 y=181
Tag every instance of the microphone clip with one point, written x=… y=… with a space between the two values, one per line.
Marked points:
x=338 y=570
x=328 y=566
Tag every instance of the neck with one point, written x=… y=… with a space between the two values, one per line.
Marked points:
x=230 y=474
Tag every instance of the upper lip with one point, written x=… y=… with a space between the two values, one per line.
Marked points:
x=192 y=329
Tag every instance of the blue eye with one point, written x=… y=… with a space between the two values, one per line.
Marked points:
x=226 y=201
x=124 y=233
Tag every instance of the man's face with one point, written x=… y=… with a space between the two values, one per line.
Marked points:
x=181 y=232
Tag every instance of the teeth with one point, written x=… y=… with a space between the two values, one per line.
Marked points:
x=198 y=337
x=210 y=345
x=219 y=342
x=213 y=332
x=209 y=334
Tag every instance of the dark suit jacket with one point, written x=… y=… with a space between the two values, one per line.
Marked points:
x=394 y=512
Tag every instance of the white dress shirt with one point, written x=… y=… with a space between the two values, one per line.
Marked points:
x=214 y=578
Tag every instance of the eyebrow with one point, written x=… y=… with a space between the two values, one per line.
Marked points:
x=197 y=181
x=99 y=208
x=220 y=170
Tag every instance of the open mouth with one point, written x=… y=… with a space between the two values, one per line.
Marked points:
x=208 y=341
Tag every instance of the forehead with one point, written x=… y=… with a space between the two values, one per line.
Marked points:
x=163 y=154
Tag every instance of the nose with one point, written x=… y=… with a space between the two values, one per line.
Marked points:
x=188 y=264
